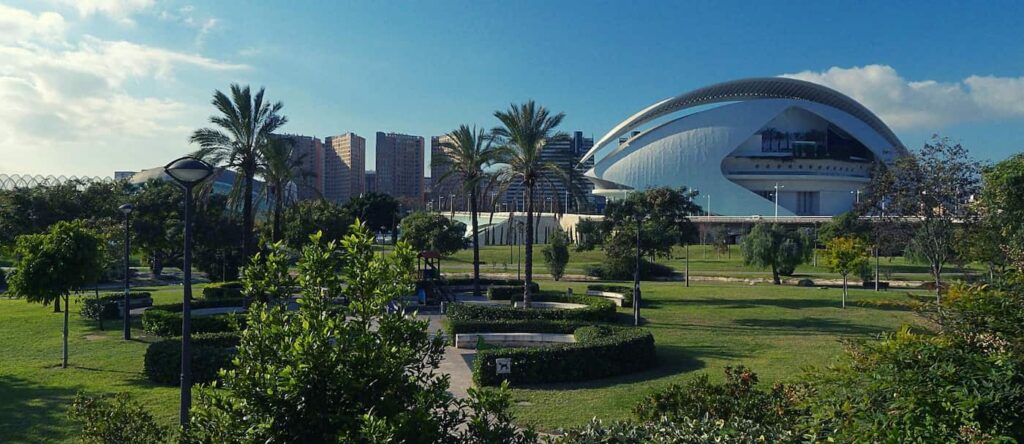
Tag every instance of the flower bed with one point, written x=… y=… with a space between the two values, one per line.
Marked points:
x=210 y=353
x=595 y=310
x=165 y=320
x=599 y=351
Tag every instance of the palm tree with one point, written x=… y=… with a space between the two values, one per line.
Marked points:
x=280 y=167
x=526 y=129
x=244 y=126
x=467 y=152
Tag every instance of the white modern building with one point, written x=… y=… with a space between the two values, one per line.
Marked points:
x=813 y=146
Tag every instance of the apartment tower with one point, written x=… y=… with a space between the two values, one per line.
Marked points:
x=344 y=167
x=400 y=167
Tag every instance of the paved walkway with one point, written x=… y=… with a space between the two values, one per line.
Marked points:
x=457 y=362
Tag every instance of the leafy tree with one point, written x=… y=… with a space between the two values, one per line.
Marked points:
x=434 y=232
x=845 y=255
x=32 y=210
x=465 y=155
x=309 y=217
x=344 y=373
x=720 y=240
x=526 y=129
x=932 y=187
x=115 y=419
x=281 y=168
x=848 y=225
x=217 y=250
x=772 y=246
x=267 y=279
x=243 y=129
x=556 y=253
x=156 y=223
x=589 y=234
x=50 y=266
x=376 y=210
x=1002 y=208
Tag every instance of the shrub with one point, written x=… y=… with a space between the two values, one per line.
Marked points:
x=462 y=282
x=115 y=419
x=621 y=351
x=165 y=320
x=454 y=327
x=805 y=283
x=107 y=305
x=509 y=292
x=622 y=269
x=210 y=353
x=627 y=292
x=223 y=290
x=556 y=254
x=683 y=431
x=3 y=281
x=597 y=309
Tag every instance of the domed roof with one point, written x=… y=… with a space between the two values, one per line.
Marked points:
x=751 y=89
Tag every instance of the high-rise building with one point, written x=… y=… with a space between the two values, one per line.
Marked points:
x=451 y=185
x=309 y=151
x=550 y=193
x=400 y=167
x=371 y=182
x=344 y=167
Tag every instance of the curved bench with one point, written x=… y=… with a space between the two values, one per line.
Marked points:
x=549 y=305
x=469 y=340
x=617 y=298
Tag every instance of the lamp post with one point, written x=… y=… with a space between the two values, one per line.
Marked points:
x=636 y=273
x=709 y=207
x=187 y=172
x=127 y=210
x=857 y=192
x=777 y=187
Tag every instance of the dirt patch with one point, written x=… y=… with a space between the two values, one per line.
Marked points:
x=95 y=337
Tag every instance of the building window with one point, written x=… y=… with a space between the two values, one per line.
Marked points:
x=807 y=203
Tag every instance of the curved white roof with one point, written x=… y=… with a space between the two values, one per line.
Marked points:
x=751 y=89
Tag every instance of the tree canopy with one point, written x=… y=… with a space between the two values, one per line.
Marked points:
x=775 y=247
x=426 y=231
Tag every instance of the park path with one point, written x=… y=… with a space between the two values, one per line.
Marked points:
x=457 y=363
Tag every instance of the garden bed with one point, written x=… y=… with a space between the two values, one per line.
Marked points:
x=165 y=320
x=210 y=353
x=593 y=310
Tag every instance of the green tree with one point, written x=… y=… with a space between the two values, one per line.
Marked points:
x=266 y=279
x=589 y=235
x=426 y=231
x=556 y=253
x=526 y=129
x=772 y=246
x=343 y=373
x=466 y=153
x=847 y=224
x=156 y=223
x=216 y=250
x=244 y=126
x=376 y=210
x=306 y=218
x=1002 y=208
x=845 y=255
x=664 y=221
x=281 y=168
x=50 y=266
x=115 y=419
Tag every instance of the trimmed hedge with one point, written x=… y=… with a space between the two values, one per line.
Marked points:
x=106 y=306
x=165 y=320
x=210 y=353
x=627 y=292
x=596 y=310
x=484 y=282
x=454 y=327
x=223 y=290
x=600 y=352
x=508 y=292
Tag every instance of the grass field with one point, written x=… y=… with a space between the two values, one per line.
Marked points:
x=777 y=331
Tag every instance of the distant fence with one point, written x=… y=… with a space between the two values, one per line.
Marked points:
x=12 y=181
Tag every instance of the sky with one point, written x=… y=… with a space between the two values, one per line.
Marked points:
x=88 y=87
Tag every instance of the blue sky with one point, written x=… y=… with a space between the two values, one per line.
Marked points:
x=92 y=86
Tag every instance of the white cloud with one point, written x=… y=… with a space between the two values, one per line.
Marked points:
x=926 y=104
x=186 y=16
x=118 y=10
x=19 y=25
x=67 y=108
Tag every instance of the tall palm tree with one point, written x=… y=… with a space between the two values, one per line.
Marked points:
x=279 y=168
x=467 y=152
x=525 y=131
x=243 y=128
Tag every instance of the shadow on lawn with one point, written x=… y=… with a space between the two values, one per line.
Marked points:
x=790 y=303
x=30 y=412
x=809 y=324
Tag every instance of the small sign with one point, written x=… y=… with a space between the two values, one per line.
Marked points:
x=503 y=366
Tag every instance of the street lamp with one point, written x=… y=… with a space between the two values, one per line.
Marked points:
x=187 y=172
x=857 y=192
x=777 y=187
x=636 y=273
x=127 y=210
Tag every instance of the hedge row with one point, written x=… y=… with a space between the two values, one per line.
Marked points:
x=484 y=282
x=627 y=292
x=455 y=327
x=598 y=353
x=509 y=292
x=223 y=290
x=165 y=320
x=210 y=353
x=596 y=310
x=106 y=306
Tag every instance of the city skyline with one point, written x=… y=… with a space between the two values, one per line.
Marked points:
x=93 y=87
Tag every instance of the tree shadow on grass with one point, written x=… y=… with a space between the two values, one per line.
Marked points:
x=810 y=324
x=32 y=413
x=790 y=303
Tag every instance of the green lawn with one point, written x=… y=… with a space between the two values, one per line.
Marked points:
x=775 y=330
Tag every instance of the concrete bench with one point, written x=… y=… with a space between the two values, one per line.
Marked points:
x=543 y=305
x=469 y=340
x=615 y=297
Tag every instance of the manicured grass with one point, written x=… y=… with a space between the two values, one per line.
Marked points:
x=35 y=392
x=776 y=331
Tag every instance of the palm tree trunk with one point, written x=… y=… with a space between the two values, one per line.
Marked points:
x=476 y=243
x=64 y=362
x=247 y=211
x=528 y=262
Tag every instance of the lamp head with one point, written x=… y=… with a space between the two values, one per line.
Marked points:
x=126 y=208
x=188 y=171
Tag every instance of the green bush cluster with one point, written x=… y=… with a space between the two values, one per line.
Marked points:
x=106 y=306
x=223 y=290
x=117 y=418
x=596 y=310
x=487 y=282
x=165 y=320
x=509 y=292
x=627 y=292
x=600 y=354
x=210 y=353
x=455 y=327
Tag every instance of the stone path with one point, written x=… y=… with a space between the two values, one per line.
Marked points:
x=457 y=363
